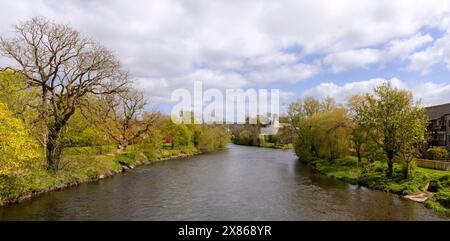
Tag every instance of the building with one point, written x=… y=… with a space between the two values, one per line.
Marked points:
x=438 y=132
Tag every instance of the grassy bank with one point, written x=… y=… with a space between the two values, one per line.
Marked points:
x=276 y=146
x=372 y=175
x=269 y=145
x=80 y=165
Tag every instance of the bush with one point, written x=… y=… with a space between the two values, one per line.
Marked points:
x=127 y=158
x=92 y=173
x=436 y=153
x=302 y=151
x=16 y=146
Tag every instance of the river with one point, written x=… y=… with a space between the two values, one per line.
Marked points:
x=241 y=183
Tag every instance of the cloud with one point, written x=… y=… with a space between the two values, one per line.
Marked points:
x=424 y=60
x=362 y=58
x=402 y=48
x=290 y=73
x=238 y=43
x=428 y=92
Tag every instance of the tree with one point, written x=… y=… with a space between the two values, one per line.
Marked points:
x=212 y=137
x=358 y=131
x=16 y=95
x=16 y=147
x=178 y=134
x=395 y=121
x=333 y=133
x=80 y=131
x=246 y=134
x=299 y=114
x=122 y=116
x=321 y=128
x=65 y=67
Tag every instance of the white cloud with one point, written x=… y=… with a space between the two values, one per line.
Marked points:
x=402 y=48
x=439 y=52
x=428 y=92
x=360 y=58
x=243 y=42
x=290 y=73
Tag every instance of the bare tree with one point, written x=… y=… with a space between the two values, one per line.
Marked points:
x=65 y=66
x=122 y=117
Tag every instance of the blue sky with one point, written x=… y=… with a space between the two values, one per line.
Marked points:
x=316 y=48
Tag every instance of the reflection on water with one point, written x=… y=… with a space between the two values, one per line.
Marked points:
x=242 y=183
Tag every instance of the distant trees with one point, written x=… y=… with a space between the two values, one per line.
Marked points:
x=122 y=117
x=82 y=131
x=203 y=137
x=65 y=67
x=212 y=137
x=246 y=134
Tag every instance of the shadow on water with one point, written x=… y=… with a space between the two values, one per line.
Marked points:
x=242 y=183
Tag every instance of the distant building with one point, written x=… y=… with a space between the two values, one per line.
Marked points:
x=438 y=131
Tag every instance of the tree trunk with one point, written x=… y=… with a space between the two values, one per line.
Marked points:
x=44 y=118
x=407 y=170
x=358 y=153
x=53 y=146
x=53 y=153
x=390 y=163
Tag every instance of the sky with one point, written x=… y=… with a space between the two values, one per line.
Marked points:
x=304 y=48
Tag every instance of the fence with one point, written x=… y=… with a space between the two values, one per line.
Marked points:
x=439 y=165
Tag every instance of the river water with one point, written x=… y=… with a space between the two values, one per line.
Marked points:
x=241 y=183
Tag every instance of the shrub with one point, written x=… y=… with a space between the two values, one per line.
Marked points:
x=127 y=158
x=303 y=152
x=92 y=173
x=436 y=153
x=16 y=146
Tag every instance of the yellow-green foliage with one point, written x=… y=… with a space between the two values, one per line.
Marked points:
x=437 y=153
x=322 y=129
x=80 y=132
x=16 y=147
x=212 y=138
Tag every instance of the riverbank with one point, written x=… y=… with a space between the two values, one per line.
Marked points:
x=372 y=175
x=271 y=145
x=81 y=166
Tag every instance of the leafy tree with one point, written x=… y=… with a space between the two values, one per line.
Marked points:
x=122 y=117
x=299 y=113
x=212 y=137
x=358 y=131
x=334 y=133
x=396 y=123
x=21 y=100
x=80 y=131
x=16 y=95
x=16 y=146
x=246 y=134
x=321 y=128
x=65 y=67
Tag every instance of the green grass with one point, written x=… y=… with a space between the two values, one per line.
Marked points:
x=275 y=146
x=372 y=175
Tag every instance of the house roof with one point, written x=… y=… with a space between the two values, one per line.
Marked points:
x=437 y=111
